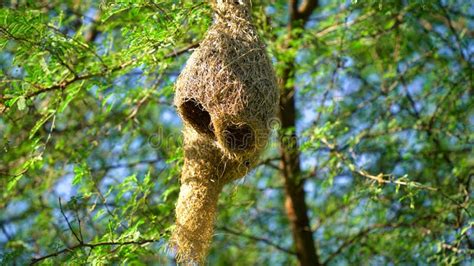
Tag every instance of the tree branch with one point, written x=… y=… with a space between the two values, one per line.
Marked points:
x=365 y=232
x=91 y=245
x=255 y=238
x=302 y=11
x=63 y=84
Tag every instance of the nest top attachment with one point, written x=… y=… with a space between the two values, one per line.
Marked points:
x=232 y=9
x=228 y=92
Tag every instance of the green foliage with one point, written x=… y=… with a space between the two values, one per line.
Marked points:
x=90 y=144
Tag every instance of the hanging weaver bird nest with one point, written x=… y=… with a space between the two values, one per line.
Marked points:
x=226 y=95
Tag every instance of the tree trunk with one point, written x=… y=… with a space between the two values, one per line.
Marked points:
x=295 y=204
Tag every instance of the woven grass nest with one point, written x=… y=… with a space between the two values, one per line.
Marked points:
x=226 y=95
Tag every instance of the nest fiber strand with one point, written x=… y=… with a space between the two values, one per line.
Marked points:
x=226 y=96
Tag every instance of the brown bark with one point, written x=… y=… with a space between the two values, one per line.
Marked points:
x=295 y=203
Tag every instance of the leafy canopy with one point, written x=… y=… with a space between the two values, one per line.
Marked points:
x=90 y=146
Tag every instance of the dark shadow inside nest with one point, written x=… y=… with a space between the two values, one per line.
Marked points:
x=194 y=113
x=239 y=137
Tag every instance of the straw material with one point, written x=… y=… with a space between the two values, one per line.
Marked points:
x=226 y=96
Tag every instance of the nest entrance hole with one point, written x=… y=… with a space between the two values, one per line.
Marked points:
x=198 y=117
x=239 y=137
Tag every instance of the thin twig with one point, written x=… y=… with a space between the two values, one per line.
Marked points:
x=68 y=223
x=260 y=239
x=365 y=232
x=182 y=50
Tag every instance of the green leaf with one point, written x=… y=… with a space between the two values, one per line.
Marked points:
x=77 y=177
x=12 y=183
x=21 y=103
x=169 y=191
x=41 y=122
